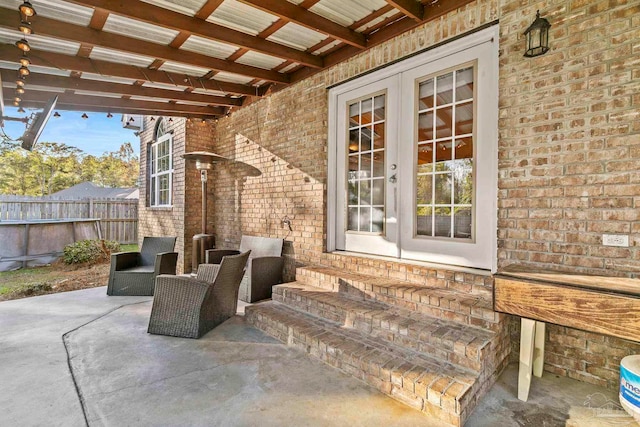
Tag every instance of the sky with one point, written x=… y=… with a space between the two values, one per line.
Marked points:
x=95 y=135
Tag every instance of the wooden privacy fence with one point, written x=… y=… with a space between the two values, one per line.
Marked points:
x=118 y=217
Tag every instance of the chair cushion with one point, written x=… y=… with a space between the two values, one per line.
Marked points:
x=261 y=246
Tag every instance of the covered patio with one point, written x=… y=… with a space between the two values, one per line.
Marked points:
x=454 y=195
x=63 y=349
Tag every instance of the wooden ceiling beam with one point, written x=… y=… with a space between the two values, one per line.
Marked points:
x=177 y=21
x=77 y=33
x=83 y=102
x=120 y=110
x=411 y=8
x=431 y=12
x=208 y=8
x=293 y=13
x=8 y=52
x=47 y=80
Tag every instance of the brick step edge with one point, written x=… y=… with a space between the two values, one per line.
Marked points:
x=436 y=302
x=457 y=343
x=438 y=389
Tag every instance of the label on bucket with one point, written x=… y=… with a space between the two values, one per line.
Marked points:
x=630 y=387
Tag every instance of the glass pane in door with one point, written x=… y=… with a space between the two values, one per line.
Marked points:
x=444 y=164
x=366 y=157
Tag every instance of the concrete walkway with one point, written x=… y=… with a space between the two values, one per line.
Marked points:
x=234 y=376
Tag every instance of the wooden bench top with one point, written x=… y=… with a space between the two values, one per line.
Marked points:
x=622 y=285
x=606 y=305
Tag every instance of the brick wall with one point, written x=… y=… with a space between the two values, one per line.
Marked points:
x=570 y=138
x=163 y=221
x=569 y=144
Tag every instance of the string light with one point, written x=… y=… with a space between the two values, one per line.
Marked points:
x=17 y=99
x=24 y=71
x=24 y=61
x=27 y=9
x=23 y=45
x=19 y=90
x=20 y=110
x=20 y=82
x=153 y=119
x=25 y=27
x=56 y=114
x=170 y=120
x=109 y=115
x=84 y=116
x=16 y=103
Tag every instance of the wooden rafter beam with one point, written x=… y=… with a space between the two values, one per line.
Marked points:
x=120 y=110
x=411 y=8
x=47 y=80
x=43 y=58
x=83 y=102
x=177 y=21
x=62 y=30
x=431 y=12
x=208 y=8
x=293 y=13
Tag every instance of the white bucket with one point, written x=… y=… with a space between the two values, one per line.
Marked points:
x=630 y=385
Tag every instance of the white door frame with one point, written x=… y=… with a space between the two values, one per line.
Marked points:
x=467 y=42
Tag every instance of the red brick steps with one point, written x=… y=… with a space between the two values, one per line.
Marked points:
x=438 y=302
x=457 y=343
x=435 y=349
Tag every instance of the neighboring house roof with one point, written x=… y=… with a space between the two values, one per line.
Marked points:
x=90 y=190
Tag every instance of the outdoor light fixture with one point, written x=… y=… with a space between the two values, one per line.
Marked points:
x=20 y=82
x=537 y=36
x=56 y=114
x=20 y=90
x=25 y=27
x=24 y=61
x=84 y=116
x=24 y=71
x=23 y=45
x=27 y=9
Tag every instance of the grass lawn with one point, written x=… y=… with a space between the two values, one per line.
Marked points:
x=57 y=277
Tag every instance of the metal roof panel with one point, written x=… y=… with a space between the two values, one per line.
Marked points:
x=186 y=7
x=139 y=30
x=239 y=16
x=260 y=60
x=297 y=36
x=110 y=55
x=177 y=67
x=223 y=76
x=346 y=13
x=208 y=47
x=376 y=21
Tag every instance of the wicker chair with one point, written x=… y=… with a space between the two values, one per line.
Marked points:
x=134 y=273
x=190 y=307
x=264 y=268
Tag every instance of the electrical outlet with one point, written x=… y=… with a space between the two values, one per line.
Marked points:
x=615 y=240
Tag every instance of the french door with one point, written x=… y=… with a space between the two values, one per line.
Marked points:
x=415 y=158
x=368 y=120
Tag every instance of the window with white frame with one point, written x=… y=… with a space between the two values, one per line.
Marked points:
x=161 y=168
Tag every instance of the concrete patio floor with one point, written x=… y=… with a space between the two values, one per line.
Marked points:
x=234 y=376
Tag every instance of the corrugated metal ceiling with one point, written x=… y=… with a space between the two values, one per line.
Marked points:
x=287 y=47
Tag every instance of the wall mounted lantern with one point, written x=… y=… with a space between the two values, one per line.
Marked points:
x=537 y=37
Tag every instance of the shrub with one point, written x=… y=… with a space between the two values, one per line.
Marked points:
x=89 y=251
